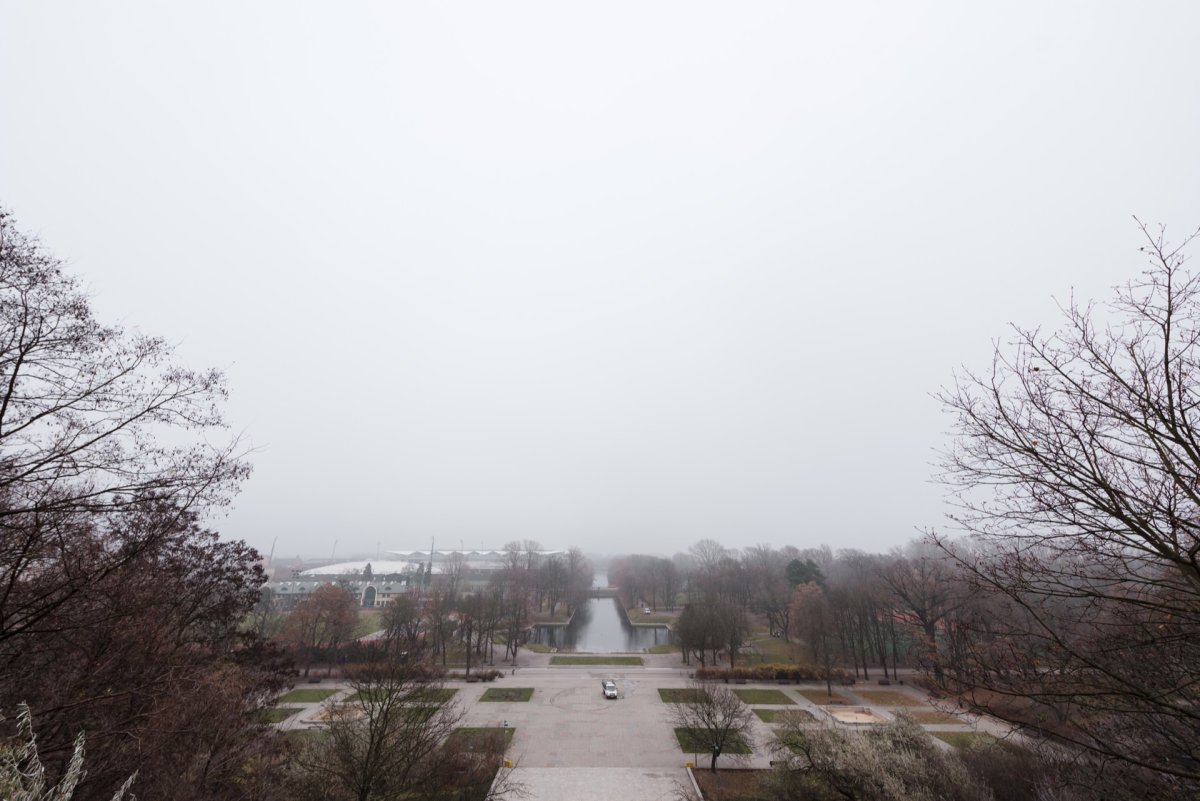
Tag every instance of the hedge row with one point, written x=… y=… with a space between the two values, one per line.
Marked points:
x=479 y=675
x=793 y=673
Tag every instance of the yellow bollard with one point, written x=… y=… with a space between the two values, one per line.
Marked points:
x=508 y=763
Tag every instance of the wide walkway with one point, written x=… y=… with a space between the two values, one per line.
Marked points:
x=572 y=743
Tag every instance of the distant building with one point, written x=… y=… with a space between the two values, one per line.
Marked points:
x=376 y=582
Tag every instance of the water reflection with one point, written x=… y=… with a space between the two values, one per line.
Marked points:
x=600 y=626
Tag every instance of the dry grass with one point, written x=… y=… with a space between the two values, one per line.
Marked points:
x=728 y=785
x=822 y=697
x=507 y=694
x=596 y=660
x=888 y=698
x=693 y=741
x=783 y=715
x=306 y=696
x=763 y=697
x=682 y=695
x=277 y=714
x=481 y=739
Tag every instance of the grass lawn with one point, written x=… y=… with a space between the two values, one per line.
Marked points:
x=507 y=694
x=689 y=695
x=789 y=739
x=535 y=647
x=431 y=695
x=663 y=648
x=305 y=735
x=771 y=650
x=368 y=622
x=596 y=660
x=365 y=695
x=932 y=717
x=962 y=739
x=782 y=715
x=822 y=697
x=729 y=785
x=763 y=697
x=481 y=739
x=306 y=696
x=888 y=698
x=692 y=741
x=277 y=714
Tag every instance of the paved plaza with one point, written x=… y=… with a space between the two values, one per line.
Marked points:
x=572 y=743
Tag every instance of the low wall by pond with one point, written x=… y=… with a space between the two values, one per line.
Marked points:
x=601 y=626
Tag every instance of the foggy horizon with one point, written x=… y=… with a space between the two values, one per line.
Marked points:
x=621 y=278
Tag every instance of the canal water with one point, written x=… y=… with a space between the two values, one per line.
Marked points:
x=600 y=626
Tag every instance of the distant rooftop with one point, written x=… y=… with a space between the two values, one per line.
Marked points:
x=476 y=553
x=411 y=561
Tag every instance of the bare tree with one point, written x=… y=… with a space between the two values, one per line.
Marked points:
x=81 y=404
x=386 y=742
x=715 y=720
x=404 y=623
x=812 y=620
x=320 y=622
x=770 y=593
x=1077 y=465
x=708 y=554
x=119 y=614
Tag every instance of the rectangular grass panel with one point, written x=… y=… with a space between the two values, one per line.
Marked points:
x=371 y=696
x=305 y=696
x=277 y=714
x=682 y=695
x=783 y=715
x=693 y=741
x=481 y=739
x=596 y=660
x=822 y=697
x=507 y=694
x=763 y=697
x=431 y=695
x=888 y=698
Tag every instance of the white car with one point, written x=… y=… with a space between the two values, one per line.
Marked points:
x=610 y=688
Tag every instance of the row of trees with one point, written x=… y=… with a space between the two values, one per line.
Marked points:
x=864 y=611
x=454 y=612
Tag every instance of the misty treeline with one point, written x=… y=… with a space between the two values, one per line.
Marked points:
x=866 y=612
x=452 y=615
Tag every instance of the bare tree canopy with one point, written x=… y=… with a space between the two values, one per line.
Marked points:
x=119 y=611
x=715 y=719
x=1077 y=467
x=92 y=422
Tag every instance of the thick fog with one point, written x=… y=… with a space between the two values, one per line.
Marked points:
x=620 y=275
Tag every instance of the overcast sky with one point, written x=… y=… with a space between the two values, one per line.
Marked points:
x=615 y=275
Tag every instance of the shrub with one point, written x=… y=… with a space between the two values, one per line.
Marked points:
x=774 y=672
